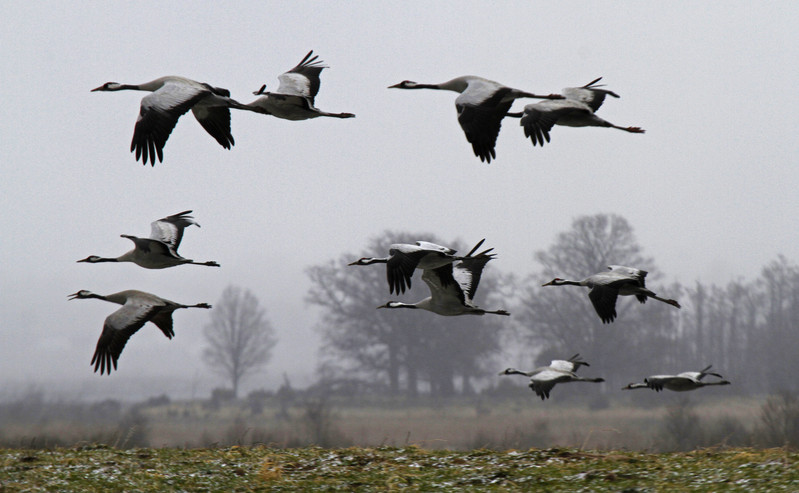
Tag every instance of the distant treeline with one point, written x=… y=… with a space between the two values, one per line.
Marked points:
x=746 y=330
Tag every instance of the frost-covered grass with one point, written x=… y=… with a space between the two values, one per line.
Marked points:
x=369 y=469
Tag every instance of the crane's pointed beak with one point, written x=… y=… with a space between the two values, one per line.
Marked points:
x=72 y=296
x=260 y=91
x=547 y=284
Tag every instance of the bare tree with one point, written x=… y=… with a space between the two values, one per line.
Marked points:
x=562 y=321
x=401 y=348
x=240 y=338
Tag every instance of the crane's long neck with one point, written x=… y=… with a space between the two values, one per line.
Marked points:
x=514 y=371
x=458 y=84
x=399 y=304
x=494 y=312
x=586 y=379
x=198 y=305
x=130 y=87
x=118 y=298
x=335 y=115
x=370 y=260
x=209 y=263
x=97 y=260
x=673 y=303
x=565 y=282
x=636 y=386
x=443 y=87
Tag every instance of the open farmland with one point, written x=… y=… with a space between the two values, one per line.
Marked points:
x=366 y=469
x=669 y=423
x=521 y=422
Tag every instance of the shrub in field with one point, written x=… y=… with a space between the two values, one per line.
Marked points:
x=159 y=400
x=779 y=418
x=319 y=424
x=108 y=409
x=220 y=396
x=727 y=431
x=681 y=427
x=133 y=430
x=256 y=401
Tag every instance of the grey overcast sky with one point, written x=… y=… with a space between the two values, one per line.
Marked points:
x=711 y=188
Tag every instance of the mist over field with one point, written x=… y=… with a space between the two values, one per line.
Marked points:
x=704 y=201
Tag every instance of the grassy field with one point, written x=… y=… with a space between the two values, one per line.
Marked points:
x=100 y=468
x=516 y=424
x=453 y=424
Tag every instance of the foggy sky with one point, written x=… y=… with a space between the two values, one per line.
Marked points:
x=710 y=189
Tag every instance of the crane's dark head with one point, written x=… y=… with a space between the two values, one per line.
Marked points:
x=109 y=86
x=82 y=294
x=554 y=282
x=509 y=371
x=406 y=84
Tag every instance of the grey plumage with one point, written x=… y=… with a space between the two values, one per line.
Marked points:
x=453 y=286
x=138 y=308
x=682 y=382
x=295 y=96
x=160 y=250
x=543 y=379
x=170 y=98
x=576 y=110
x=606 y=287
x=481 y=106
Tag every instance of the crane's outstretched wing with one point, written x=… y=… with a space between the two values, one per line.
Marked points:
x=302 y=80
x=426 y=245
x=638 y=274
x=169 y=229
x=656 y=382
x=117 y=329
x=216 y=121
x=468 y=271
x=158 y=115
x=604 y=301
x=589 y=94
x=156 y=247
x=399 y=269
x=543 y=382
x=570 y=365
x=539 y=118
x=481 y=121
x=442 y=284
x=404 y=259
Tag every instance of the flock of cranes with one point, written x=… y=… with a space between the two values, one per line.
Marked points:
x=606 y=287
x=481 y=105
x=172 y=96
x=453 y=281
x=543 y=379
x=159 y=251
